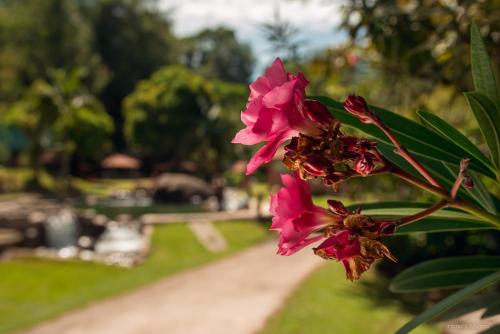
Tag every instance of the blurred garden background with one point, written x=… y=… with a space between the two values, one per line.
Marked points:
x=117 y=171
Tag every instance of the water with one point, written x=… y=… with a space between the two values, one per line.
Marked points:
x=61 y=229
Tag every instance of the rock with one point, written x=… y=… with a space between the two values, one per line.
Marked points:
x=178 y=188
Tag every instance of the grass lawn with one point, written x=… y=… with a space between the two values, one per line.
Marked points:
x=328 y=303
x=33 y=290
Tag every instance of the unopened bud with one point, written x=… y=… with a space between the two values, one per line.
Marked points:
x=364 y=165
x=337 y=208
x=357 y=106
x=317 y=112
x=387 y=228
x=468 y=183
x=315 y=166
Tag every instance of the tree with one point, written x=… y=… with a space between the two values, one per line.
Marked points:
x=37 y=36
x=216 y=53
x=423 y=39
x=177 y=106
x=282 y=35
x=133 y=39
x=60 y=111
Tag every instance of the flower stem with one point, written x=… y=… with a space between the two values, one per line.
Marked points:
x=422 y=214
x=460 y=177
x=445 y=196
x=403 y=152
x=439 y=192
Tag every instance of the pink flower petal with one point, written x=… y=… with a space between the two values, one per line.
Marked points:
x=276 y=73
x=267 y=152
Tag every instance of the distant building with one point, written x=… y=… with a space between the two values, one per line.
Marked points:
x=120 y=165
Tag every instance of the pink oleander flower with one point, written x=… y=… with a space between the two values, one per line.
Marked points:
x=295 y=216
x=277 y=110
x=356 y=242
x=351 y=238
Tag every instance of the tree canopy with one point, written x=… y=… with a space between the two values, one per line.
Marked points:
x=217 y=53
x=177 y=106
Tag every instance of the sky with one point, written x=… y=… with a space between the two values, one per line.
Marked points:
x=315 y=19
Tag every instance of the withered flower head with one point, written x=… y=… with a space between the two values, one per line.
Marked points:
x=349 y=237
x=355 y=242
x=331 y=155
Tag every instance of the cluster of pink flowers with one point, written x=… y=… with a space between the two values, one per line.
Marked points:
x=349 y=237
x=278 y=111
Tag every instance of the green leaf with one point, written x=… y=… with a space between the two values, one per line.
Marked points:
x=452 y=134
x=441 y=221
x=479 y=192
x=482 y=72
x=445 y=273
x=432 y=225
x=488 y=118
x=445 y=174
x=415 y=137
x=489 y=302
x=450 y=301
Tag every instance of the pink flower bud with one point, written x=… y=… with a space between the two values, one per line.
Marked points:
x=357 y=106
x=387 y=228
x=364 y=165
x=317 y=112
x=337 y=208
x=468 y=183
x=315 y=166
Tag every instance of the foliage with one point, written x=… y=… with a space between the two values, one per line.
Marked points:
x=217 y=54
x=37 y=36
x=60 y=109
x=177 y=106
x=423 y=39
x=483 y=103
x=133 y=39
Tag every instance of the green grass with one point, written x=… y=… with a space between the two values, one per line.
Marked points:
x=33 y=290
x=328 y=303
x=16 y=180
x=105 y=187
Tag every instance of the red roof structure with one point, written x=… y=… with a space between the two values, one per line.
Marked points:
x=120 y=161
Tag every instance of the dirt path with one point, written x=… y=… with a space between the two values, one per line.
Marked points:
x=234 y=296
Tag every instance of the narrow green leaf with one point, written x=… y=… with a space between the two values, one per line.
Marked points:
x=431 y=225
x=445 y=174
x=488 y=117
x=450 y=301
x=479 y=192
x=482 y=72
x=452 y=134
x=415 y=137
x=441 y=221
x=492 y=308
x=489 y=302
x=445 y=273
